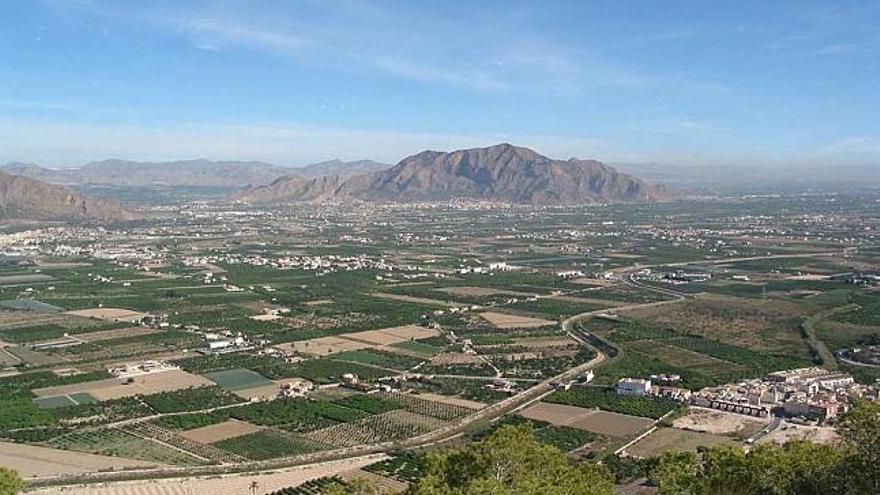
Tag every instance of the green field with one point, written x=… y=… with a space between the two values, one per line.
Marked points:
x=238 y=379
x=268 y=444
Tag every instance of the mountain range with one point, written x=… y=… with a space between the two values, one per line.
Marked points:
x=502 y=173
x=123 y=173
x=185 y=173
x=340 y=168
x=26 y=198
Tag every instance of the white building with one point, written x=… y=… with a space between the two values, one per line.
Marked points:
x=633 y=386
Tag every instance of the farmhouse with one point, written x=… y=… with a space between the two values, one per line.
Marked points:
x=633 y=386
x=570 y=274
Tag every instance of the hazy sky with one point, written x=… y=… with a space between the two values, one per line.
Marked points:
x=751 y=82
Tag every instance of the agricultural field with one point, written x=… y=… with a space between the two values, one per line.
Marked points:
x=190 y=399
x=118 y=443
x=35 y=461
x=230 y=428
x=770 y=326
x=565 y=438
x=579 y=418
x=437 y=305
x=676 y=440
x=722 y=423
x=116 y=388
x=700 y=361
x=505 y=321
x=611 y=401
x=406 y=467
x=268 y=444
x=238 y=379
x=393 y=425
x=429 y=405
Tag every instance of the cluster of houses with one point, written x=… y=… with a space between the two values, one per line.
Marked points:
x=129 y=370
x=320 y=264
x=674 y=278
x=868 y=355
x=813 y=394
x=810 y=393
x=861 y=278
x=224 y=342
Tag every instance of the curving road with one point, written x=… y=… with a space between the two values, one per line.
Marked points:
x=518 y=401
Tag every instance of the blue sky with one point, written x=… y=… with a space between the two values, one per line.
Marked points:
x=296 y=81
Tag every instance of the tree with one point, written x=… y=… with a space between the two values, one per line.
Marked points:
x=677 y=473
x=797 y=468
x=860 y=430
x=10 y=482
x=510 y=462
x=357 y=486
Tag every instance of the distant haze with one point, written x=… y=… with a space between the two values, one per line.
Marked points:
x=750 y=83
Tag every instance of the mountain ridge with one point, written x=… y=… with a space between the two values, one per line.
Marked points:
x=340 y=168
x=502 y=172
x=26 y=198
x=125 y=173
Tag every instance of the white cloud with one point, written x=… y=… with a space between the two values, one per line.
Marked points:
x=408 y=43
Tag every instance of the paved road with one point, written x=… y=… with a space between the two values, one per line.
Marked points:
x=775 y=424
x=489 y=413
x=829 y=362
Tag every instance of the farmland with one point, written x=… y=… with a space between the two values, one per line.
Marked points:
x=579 y=418
x=302 y=331
x=700 y=361
x=267 y=444
x=610 y=401
x=118 y=443
x=673 y=439
x=393 y=425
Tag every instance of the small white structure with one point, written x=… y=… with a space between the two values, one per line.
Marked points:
x=570 y=274
x=217 y=345
x=633 y=386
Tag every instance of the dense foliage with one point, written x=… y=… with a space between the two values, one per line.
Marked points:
x=10 y=482
x=510 y=461
x=796 y=468
x=609 y=400
x=190 y=399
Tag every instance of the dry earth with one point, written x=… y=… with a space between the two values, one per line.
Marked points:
x=503 y=320
x=115 y=388
x=606 y=423
x=227 y=429
x=267 y=482
x=34 y=462
x=720 y=422
x=112 y=314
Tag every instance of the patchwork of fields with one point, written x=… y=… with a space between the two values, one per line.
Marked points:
x=313 y=331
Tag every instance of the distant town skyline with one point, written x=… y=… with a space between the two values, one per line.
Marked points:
x=752 y=83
